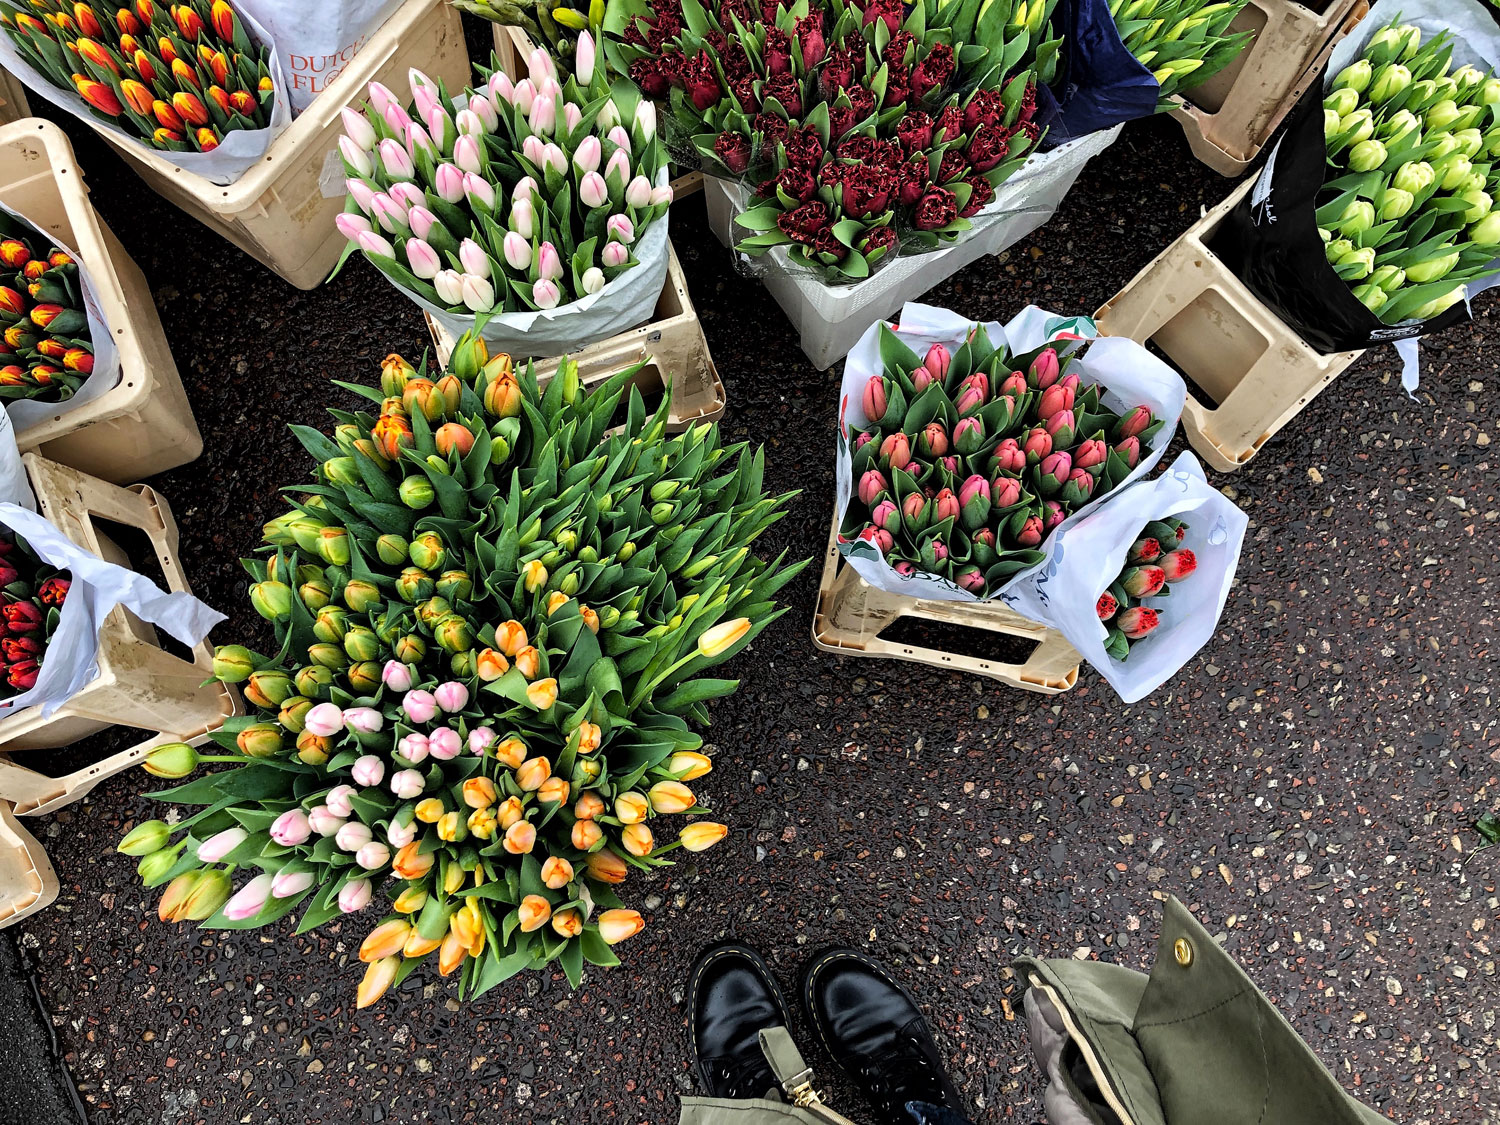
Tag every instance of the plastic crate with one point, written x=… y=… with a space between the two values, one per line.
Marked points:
x=27 y=881
x=673 y=341
x=851 y=615
x=13 y=103
x=1213 y=329
x=1229 y=118
x=831 y=319
x=281 y=212
x=139 y=684
x=513 y=46
x=144 y=424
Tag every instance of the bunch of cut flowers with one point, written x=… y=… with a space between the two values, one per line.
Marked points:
x=495 y=615
x=863 y=131
x=969 y=460
x=47 y=349
x=32 y=595
x=1154 y=561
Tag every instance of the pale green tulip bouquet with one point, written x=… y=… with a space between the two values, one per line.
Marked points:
x=1406 y=211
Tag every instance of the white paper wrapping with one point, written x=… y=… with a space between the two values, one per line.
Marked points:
x=236 y=153
x=625 y=302
x=106 y=373
x=1087 y=553
x=316 y=41
x=71 y=660
x=1129 y=374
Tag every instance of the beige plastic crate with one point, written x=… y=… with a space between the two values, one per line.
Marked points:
x=1229 y=118
x=27 y=881
x=672 y=340
x=513 y=46
x=851 y=615
x=281 y=212
x=144 y=425
x=139 y=684
x=1223 y=339
x=13 y=104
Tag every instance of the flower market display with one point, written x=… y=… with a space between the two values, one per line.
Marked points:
x=47 y=350
x=1153 y=561
x=177 y=77
x=494 y=619
x=32 y=595
x=863 y=132
x=530 y=195
x=1183 y=43
x=970 y=459
x=1406 y=217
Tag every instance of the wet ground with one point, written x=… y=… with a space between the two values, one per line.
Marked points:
x=1308 y=785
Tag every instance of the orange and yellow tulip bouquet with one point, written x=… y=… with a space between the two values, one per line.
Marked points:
x=493 y=615
x=182 y=78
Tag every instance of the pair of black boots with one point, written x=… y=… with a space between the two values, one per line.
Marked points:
x=867 y=1022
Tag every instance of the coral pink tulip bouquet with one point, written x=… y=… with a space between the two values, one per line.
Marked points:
x=963 y=447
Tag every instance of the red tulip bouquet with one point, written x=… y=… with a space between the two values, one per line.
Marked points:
x=1106 y=583
x=32 y=595
x=863 y=131
x=184 y=78
x=963 y=447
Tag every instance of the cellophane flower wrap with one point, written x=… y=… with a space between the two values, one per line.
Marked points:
x=525 y=197
x=864 y=132
x=963 y=447
x=494 y=623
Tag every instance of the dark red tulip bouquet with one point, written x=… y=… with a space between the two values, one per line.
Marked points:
x=32 y=595
x=862 y=131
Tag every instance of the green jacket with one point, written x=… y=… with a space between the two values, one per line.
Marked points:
x=1194 y=1042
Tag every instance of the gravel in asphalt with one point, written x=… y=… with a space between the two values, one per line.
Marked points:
x=1307 y=784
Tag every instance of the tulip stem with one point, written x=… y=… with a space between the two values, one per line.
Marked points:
x=648 y=686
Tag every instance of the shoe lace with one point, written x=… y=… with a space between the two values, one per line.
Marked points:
x=742 y=1078
x=903 y=1074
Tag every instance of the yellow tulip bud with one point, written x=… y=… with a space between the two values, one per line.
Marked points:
x=605 y=866
x=418 y=946
x=590 y=618
x=637 y=840
x=479 y=792
x=410 y=900
x=723 y=636
x=511 y=752
x=554 y=790
x=567 y=923
x=490 y=665
x=451 y=953
x=534 y=911
x=631 y=808
x=450 y=827
x=689 y=765
x=586 y=834
x=617 y=925
x=702 y=835
x=378 y=977
x=482 y=823
x=671 y=797
x=509 y=811
x=555 y=601
x=429 y=810
x=533 y=576
x=529 y=661
x=510 y=638
x=531 y=773
x=590 y=738
x=520 y=838
x=542 y=694
x=557 y=873
x=588 y=806
x=385 y=940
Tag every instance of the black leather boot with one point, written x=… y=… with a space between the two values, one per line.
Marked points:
x=731 y=998
x=874 y=1031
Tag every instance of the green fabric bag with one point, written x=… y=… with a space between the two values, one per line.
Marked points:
x=1196 y=1041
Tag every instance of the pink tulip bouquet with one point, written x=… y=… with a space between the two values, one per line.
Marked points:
x=968 y=457
x=520 y=196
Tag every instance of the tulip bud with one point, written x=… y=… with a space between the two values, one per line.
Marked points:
x=444 y=744
x=616 y=925
x=1355 y=77
x=872 y=485
x=407 y=784
x=171 y=761
x=1045 y=370
x=545 y=294
x=1142 y=581
x=1367 y=156
x=1137 y=622
x=147 y=837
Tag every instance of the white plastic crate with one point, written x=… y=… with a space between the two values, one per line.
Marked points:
x=831 y=319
